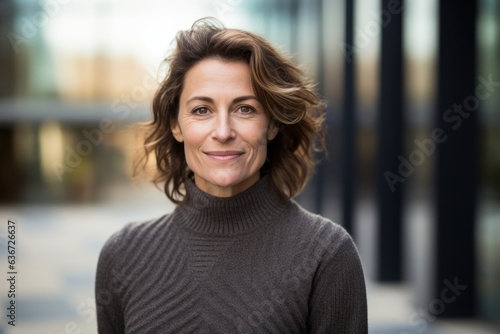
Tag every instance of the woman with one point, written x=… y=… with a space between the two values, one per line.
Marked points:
x=233 y=134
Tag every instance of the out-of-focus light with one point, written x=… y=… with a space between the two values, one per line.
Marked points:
x=143 y=29
x=421 y=28
x=51 y=149
x=367 y=29
x=487 y=30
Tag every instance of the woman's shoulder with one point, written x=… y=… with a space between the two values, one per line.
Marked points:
x=132 y=233
x=316 y=229
x=314 y=221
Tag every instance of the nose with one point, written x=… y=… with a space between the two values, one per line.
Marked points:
x=223 y=130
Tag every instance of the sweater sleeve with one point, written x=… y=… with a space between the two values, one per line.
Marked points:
x=107 y=290
x=338 y=297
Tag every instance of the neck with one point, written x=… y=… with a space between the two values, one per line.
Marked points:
x=258 y=205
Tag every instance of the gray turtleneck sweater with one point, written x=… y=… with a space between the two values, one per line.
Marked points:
x=251 y=263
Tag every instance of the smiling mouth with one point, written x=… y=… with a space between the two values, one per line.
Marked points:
x=224 y=155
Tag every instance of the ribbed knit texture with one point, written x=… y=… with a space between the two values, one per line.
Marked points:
x=251 y=263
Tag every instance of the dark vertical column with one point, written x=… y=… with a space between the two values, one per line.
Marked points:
x=8 y=48
x=456 y=158
x=11 y=181
x=389 y=132
x=348 y=122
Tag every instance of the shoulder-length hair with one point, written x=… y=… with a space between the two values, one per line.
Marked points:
x=280 y=87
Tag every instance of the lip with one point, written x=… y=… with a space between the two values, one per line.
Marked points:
x=224 y=155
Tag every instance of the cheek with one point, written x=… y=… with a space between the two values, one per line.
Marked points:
x=192 y=142
x=193 y=134
x=255 y=131
x=261 y=135
x=193 y=160
x=258 y=140
x=190 y=152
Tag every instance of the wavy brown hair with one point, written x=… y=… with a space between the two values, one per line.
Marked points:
x=281 y=87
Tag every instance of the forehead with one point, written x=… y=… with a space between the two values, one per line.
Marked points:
x=214 y=76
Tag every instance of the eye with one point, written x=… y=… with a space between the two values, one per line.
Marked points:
x=201 y=111
x=246 y=110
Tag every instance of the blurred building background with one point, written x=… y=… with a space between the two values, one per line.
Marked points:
x=413 y=172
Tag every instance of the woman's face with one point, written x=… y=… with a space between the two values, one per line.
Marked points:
x=223 y=127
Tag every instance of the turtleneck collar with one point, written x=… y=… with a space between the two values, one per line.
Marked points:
x=256 y=206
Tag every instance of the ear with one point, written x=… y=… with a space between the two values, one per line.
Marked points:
x=176 y=131
x=272 y=131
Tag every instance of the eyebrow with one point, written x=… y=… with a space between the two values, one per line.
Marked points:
x=210 y=100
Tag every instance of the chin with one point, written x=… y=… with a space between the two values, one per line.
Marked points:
x=226 y=181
